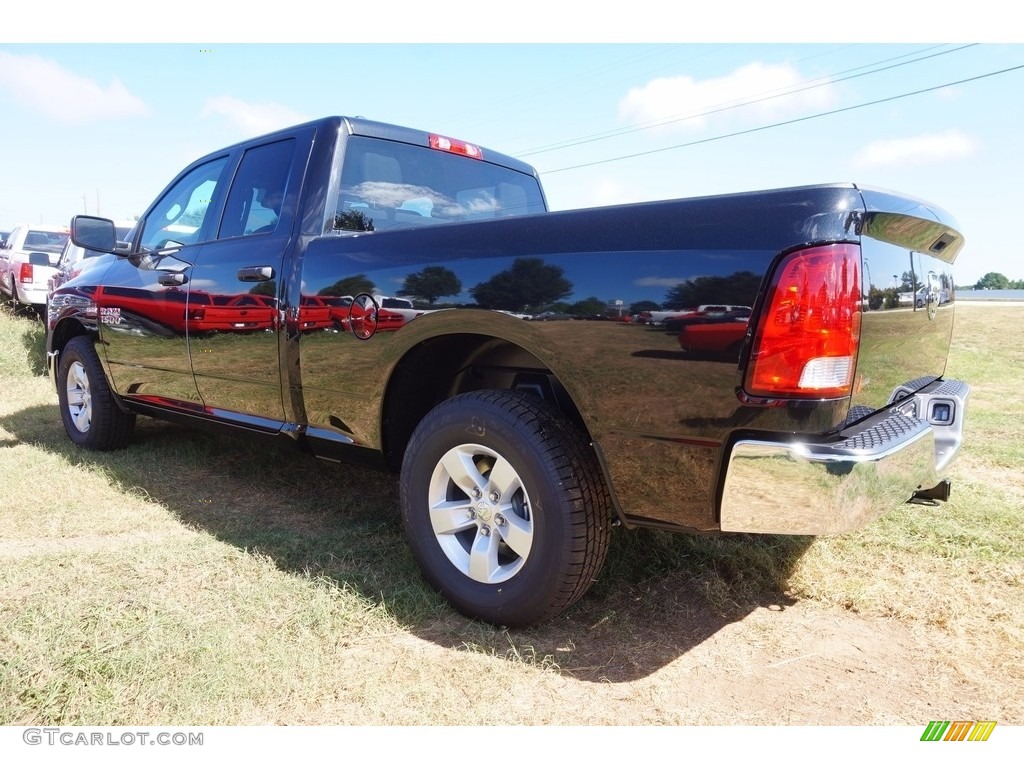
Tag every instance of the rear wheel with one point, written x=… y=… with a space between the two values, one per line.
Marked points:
x=14 y=290
x=91 y=417
x=504 y=507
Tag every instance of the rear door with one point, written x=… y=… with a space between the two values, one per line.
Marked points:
x=234 y=328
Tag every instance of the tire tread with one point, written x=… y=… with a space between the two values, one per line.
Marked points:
x=111 y=427
x=584 y=497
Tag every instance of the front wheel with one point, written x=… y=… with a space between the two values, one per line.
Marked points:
x=91 y=417
x=504 y=507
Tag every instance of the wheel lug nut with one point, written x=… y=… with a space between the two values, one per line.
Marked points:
x=495 y=497
x=499 y=520
x=472 y=514
x=477 y=493
x=485 y=530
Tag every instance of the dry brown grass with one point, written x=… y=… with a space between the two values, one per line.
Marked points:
x=197 y=580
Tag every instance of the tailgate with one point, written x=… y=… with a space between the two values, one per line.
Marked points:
x=908 y=249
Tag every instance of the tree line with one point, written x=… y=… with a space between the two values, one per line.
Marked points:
x=996 y=281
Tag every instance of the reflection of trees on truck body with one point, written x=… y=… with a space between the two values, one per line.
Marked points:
x=431 y=283
x=349 y=286
x=737 y=288
x=529 y=282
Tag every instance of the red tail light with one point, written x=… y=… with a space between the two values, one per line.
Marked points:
x=807 y=342
x=25 y=273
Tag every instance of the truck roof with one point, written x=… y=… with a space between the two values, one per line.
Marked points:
x=360 y=126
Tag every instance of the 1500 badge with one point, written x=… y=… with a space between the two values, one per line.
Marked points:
x=110 y=315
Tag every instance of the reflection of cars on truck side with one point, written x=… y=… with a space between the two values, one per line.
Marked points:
x=668 y=316
x=721 y=335
x=398 y=306
x=710 y=314
x=517 y=444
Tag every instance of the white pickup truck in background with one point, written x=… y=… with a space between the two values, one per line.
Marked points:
x=28 y=260
x=399 y=306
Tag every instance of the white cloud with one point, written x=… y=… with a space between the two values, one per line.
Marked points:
x=950 y=93
x=760 y=87
x=58 y=93
x=916 y=150
x=252 y=119
x=589 y=192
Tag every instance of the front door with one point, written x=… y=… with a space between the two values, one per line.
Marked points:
x=142 y=301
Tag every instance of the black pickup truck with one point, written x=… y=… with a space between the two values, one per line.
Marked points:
x=250 y=296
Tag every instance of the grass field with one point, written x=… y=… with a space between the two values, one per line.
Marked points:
x=197 y=579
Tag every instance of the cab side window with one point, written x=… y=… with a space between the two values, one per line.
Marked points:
x=179 y=216
x=257 y=193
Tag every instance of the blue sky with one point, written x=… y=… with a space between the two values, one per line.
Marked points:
x=89 y=124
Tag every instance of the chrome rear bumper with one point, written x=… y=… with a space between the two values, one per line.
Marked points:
x=819 y=488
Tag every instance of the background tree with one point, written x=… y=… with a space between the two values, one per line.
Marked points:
x=994 y=281
x=643 y=306
x=908 y=284
x=355 y=221
x=738 y=288
x=349 y=286
x=529 y=282
x=431 y=283
x=588 y=307
x=883 y=298
x=268 y=288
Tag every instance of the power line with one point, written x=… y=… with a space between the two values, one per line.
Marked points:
x=811 y=85
x=788 y=122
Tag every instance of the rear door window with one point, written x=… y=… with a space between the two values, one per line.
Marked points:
x=257 y=194
x=390 y=185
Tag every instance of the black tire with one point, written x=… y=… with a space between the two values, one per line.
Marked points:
x=90 y=414
x=528 y=553
x=14 y=292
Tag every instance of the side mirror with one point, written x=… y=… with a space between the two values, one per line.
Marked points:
x=94 y=233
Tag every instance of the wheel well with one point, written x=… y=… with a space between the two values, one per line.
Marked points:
x=65 y=332
x=443 y=367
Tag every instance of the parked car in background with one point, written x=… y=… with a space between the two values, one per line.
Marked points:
x=716 y=313
x=545 y=316
x=398 y=306
x=721 y=336
x=669 y=318
x=27 y=261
